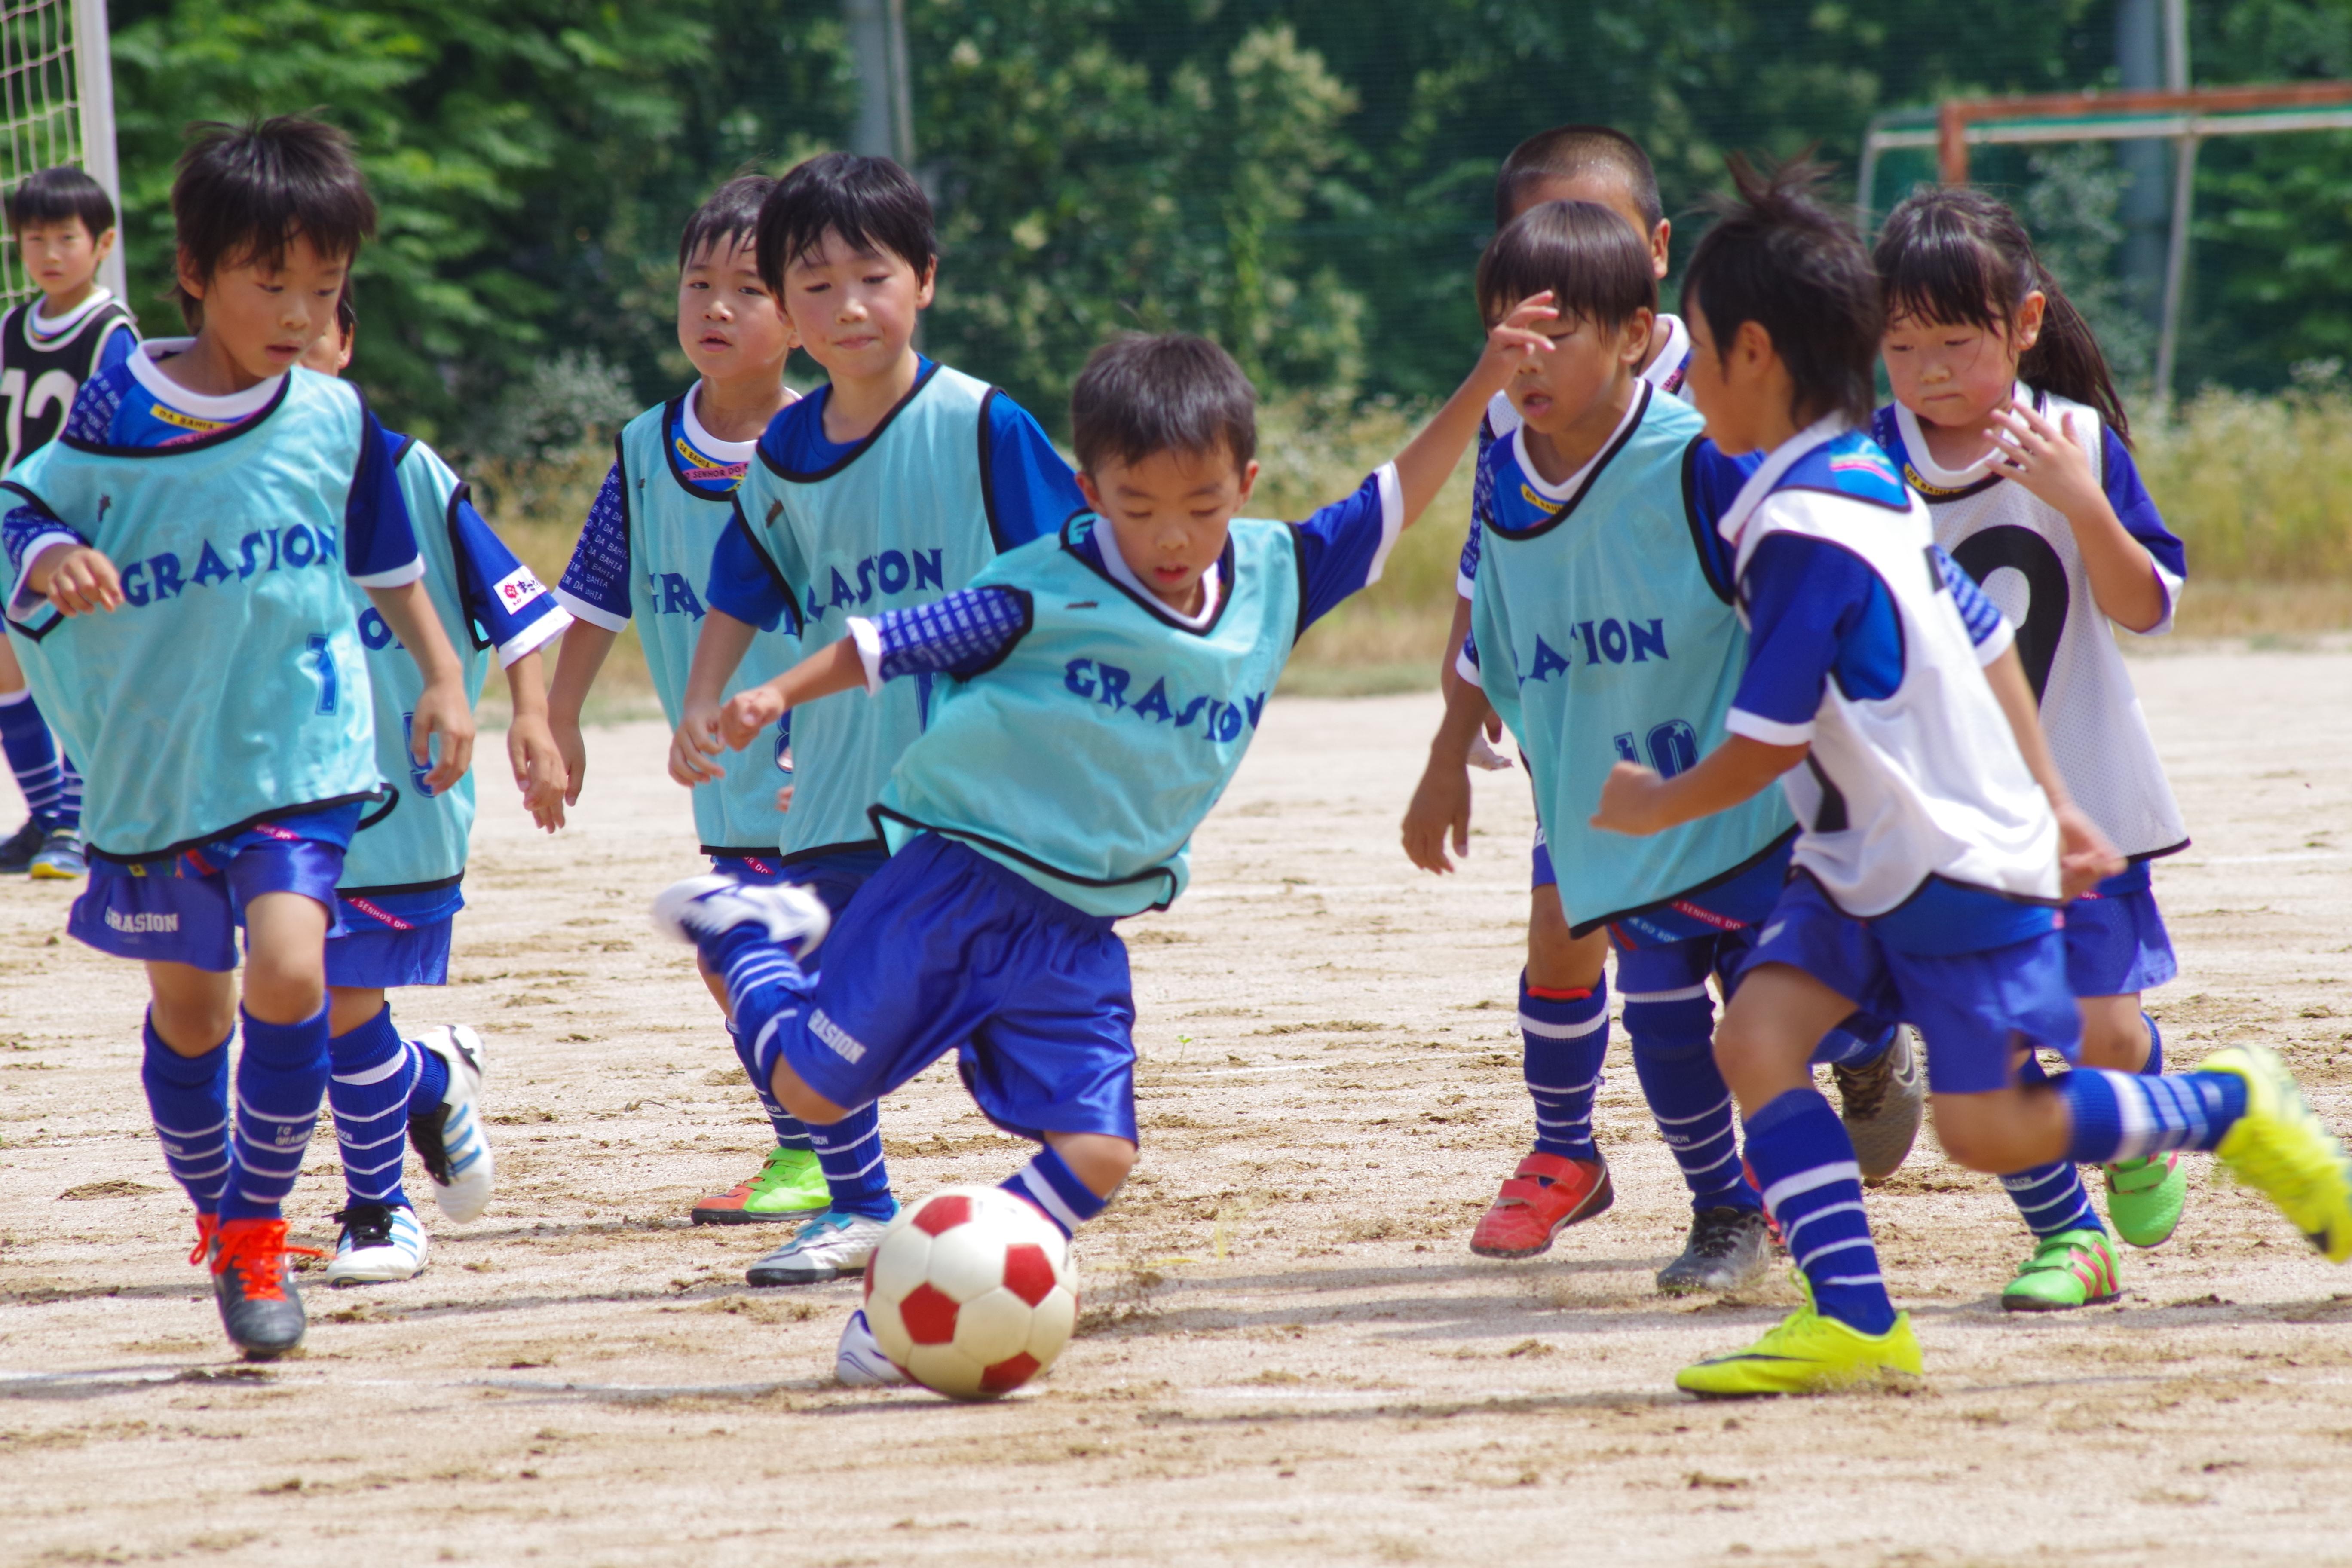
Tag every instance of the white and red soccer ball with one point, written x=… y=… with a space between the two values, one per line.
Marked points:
x=969 y=1292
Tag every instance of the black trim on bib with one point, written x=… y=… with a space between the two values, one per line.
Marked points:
x=736 y=520
x=877 y=813
x=458 y=556
x=859 y=448
x=988 y=474
x=1586 y=928
x=431 y=886
x=234 y=828
x=848 y=847
x=391 y=805
x=673 y=423
x=1298 y=567
x=1701 y=530
x=1591 y=475
x=1226 y=574
x=2156 y=853
x=57 y=617
x=400 y=453
x=212 y=437
x=1028 y=625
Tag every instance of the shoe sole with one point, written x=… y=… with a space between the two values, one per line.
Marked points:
x=1763 y=1267
x=51 y=874
x=2038 y=1304
x=770 y=1279
x=1603 y=1195
x=749 y=1216
x=373 y=1276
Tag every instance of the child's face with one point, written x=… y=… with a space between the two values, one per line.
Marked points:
x=1608 y=190
x=728 y=322
x=1957 y=375
x=1588 y=366
x=1732 y=387
x=1169 y=514
x=330 y=352
x=61 y=256
x=263 y=318
x=854 y=310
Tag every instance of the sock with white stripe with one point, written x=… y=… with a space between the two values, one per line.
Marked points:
x=2050 y=1198
x=431 y=1085
x=281 y=1077
x=850 y=1153
x=1567 y=1035
x=1048 y=1183
x=2121 y=1115
x=2154 y=1065
x=370 y=1074
x=790 y=1133
x=1673 y=1037
x=1805 y=1163
x=52 y=789
x=188 y=1099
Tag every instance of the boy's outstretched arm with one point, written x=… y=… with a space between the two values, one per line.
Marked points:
x=719 y=649
x=1441 y=803
x=577 y=662
x=1638 y=801
x=2084 y=856
x=531 y=749
x=443 y=711
x=1429 y=459
x=836 y=667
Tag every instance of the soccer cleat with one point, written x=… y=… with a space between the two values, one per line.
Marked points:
x=858 y=1362
x=703 y=907
x=205 y=1225
x=791 y=1185
x=379 y=1243
x=1728 y=1249
x=1881 y=1102
x=60 y=859
x=16 y=850
x=253 y=1286
x=2145 y=1197
x=1544 y=1197
x=1808 y=1354
x=2071 y=1268
x=2280 y=1149
x=449 y=1137
x=831 y=1247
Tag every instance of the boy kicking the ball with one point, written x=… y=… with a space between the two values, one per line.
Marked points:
x=1097 y=688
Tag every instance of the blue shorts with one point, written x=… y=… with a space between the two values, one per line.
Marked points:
x=1678 y=971
x=393 y=938
x=1973 y=1009
x=186 y=908
x=948 y=951
x=2115 y=942
x=1545 y=876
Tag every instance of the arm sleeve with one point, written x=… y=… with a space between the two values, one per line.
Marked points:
x=379 y=538
x=29 y=532
x=1988 y=629
x=1465 y=664
x=1802 y=596
x=1714 y=483
x=961 y=634
x=2119 y=477
x=1482 y=507
x=745 y=583
x=1031 y=491
x=504 y=596
x=595 y=582
x=119 y=345
x=1343 y=547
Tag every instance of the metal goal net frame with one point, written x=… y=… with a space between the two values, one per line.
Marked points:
x=57 y=106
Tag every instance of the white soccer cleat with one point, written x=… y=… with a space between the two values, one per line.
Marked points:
x=858 y=1362
x=709 y=906
x=379 y=1243
x=835 y=1245
x=450 y=1138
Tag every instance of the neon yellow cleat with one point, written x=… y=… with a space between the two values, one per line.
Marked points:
x=1808 y=1354
x=2280 y=1149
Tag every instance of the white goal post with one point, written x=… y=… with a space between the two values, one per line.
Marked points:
x=57 y=106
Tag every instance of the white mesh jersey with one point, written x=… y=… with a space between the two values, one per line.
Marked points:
x=2024 y=554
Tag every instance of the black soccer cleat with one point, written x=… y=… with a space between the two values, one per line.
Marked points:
x=253 y=1285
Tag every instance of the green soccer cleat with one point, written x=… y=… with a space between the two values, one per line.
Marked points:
x=791 y=1185
x=2281 y=1149
x=1808 y=1354
x=2145 y=1197
x=2073 y=1268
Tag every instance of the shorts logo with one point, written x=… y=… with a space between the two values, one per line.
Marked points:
x=518 y=588
x=848 y=1046
x=141 y=923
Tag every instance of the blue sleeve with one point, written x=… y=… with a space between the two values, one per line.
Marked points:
x=1343 y=547
x=504 y=597
x=1482 y=507
x=379 y=540
x=1804 y=598
x=595 y=582
x=1465 y=663
x=961 y=634
x=25 y=523
x=119 y=345
x=1978 y=613
x=2119 y=477
x=745 y=583
x=1711 y=483
x=1031 y=491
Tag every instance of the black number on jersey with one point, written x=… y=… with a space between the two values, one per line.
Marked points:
x=2047 y=602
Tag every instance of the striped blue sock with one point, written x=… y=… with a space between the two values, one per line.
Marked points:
x=431 y=1086
x=2050 y=1198
x=790 y=1133
x=2120 y=1116
x=1567 y=1039
x=2153 y=1067
x=188 y=1099
x=1673 y=1037
x=850 y=1153
x=40 y=768
x=281 y=1077
x=372 y=1074
x=1048 y=1183
x=1813 y=1187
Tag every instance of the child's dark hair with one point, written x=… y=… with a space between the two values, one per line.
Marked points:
x=1598 y=269
x=1567 y=151
x=347 y=312
x=1169 y=393
x=246 y=193
x=56 y=195
x=1957 y=256
x=728 y=217
x=874 y=205
x=1778 y=257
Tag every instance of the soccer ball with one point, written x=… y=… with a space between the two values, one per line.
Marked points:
x=969 y=1292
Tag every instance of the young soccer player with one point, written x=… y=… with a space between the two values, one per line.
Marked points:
x=2005 y=420
x=400 y=890
x=893 y=483
x=63 y=226
x=1938 y=839
x=189 y=534
x=1097 y=688
x=644 y=554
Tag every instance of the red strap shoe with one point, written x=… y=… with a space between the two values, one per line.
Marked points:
x=1544 y=1197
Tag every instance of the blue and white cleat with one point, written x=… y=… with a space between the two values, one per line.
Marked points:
x=835 y=1245
x=379 y=1243
x=449 y=1137
x=858 y=1362
x=703 y=907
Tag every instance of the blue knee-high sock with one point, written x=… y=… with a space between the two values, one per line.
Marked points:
x=1048 y=1183
x=2050 y=1198
x=1805 y=1163
x=790 y=1133
x=431 y=1085
x=2154 y=1065
x=188 y=1099
x=2120 y=1116
x=850 y=1153
x=1566 y=1040
x=281 y=1077
x=51 y=787
x=371 y=1075
x=1673 y=1036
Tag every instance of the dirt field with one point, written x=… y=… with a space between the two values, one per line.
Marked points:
x=1288 y=1354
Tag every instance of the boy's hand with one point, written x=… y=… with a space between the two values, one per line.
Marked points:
x=748 y=714
x=442 y=713
x=696 y=742
x=2086 y=859
x=1482 y=754
x=77 y=579
x=1440 y=810
x=1630 y=802
x=1514 y=340
x=572 y=747
x=540 y=771
x=2044 y=456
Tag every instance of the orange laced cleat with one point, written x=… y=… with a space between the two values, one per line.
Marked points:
x=254 y=1286
x=1544 y=1197
x=205 y=1225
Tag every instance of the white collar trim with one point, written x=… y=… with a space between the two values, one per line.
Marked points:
x=1765 y=480
x=57 y=326
x=1661 y=370
x=1124 y=575
x=1915 y=447
x=146 y=369
x=703 y=441
x=1566 y=489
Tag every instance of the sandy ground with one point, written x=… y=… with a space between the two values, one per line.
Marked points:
x=1288 y=1354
